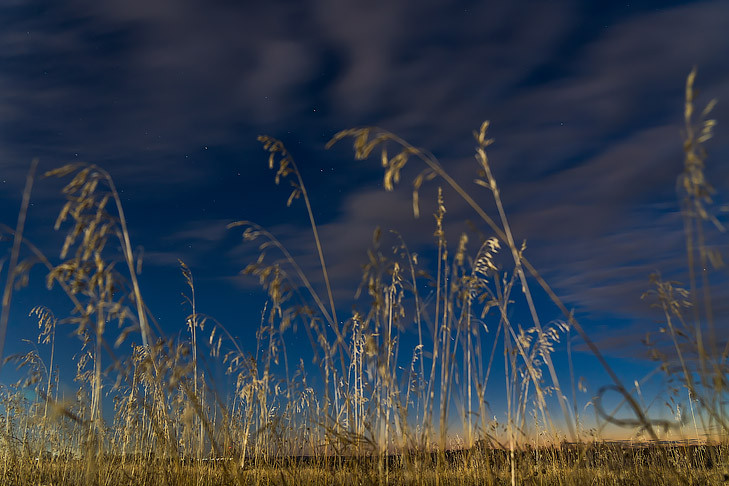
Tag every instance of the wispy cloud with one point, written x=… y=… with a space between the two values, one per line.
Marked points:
x=170 y=95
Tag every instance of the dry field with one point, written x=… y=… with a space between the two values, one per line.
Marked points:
x=376 y=411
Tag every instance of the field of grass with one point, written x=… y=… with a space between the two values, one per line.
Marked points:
x=569 y=464
x=377 y=411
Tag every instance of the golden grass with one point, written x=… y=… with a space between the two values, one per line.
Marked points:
x=381 y=413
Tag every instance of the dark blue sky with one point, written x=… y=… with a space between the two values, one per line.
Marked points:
x=585 y=100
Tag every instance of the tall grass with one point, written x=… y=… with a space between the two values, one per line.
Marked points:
x=382 y=410
x=689 y=312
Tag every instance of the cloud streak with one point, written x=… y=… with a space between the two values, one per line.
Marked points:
x=586 y=106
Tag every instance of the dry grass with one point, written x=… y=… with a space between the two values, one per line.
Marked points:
x=382 y=411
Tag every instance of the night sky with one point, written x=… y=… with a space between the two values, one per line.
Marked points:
x=585 y=101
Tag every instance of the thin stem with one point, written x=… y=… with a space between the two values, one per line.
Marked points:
x=14 y=255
